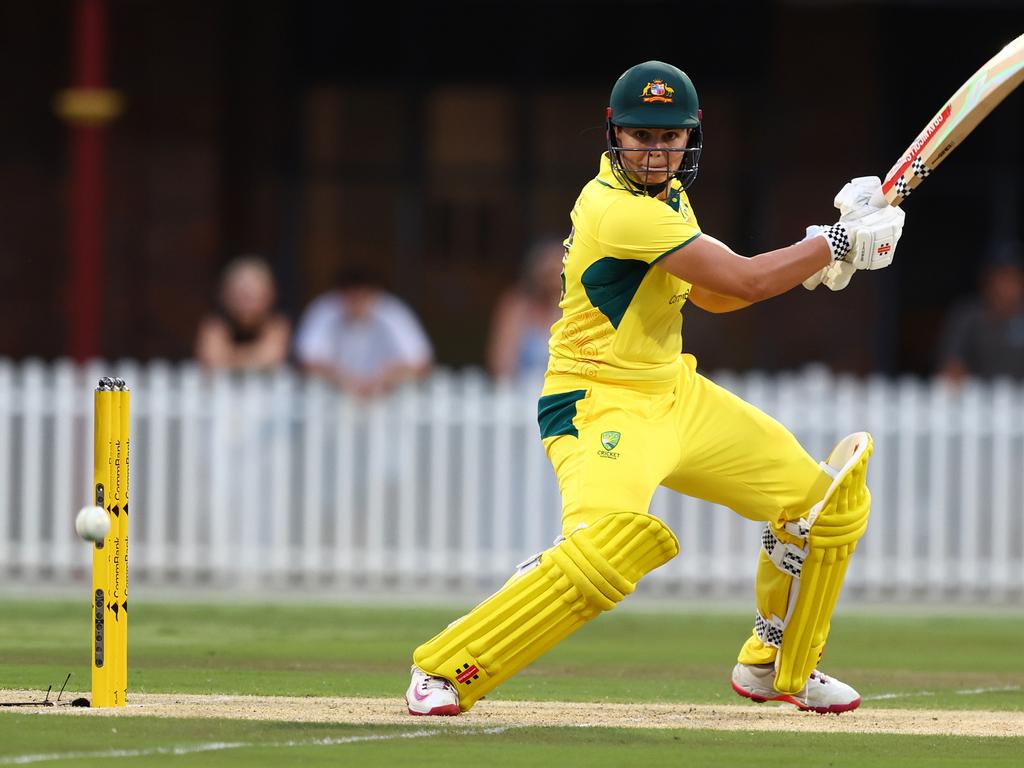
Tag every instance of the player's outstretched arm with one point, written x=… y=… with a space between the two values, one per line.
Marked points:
x=865 y=237
x=712 y=266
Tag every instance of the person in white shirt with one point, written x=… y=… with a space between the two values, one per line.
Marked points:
x=361 y=338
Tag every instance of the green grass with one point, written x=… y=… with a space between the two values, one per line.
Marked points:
x=630 y=655
x=190 y=742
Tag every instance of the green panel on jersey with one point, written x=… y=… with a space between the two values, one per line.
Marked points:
x=612 y=283
x=556 y=412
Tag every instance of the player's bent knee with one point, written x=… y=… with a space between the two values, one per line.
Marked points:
x=554 y=594
x=813 y=554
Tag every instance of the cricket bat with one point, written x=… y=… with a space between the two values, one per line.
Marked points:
x=961 y=114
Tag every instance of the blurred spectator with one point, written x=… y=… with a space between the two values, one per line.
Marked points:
x=984 y=336
x=245 y=333
x=361 y=338
x=521 y=325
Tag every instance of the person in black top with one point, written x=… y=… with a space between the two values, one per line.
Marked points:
x=245 y=332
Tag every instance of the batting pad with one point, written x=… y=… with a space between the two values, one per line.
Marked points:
x=588 y=572
x=802 y=566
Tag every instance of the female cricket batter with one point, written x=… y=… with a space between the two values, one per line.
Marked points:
x=622 y=411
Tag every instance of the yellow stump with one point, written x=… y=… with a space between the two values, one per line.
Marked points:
x=110 y=558
x=120 y=482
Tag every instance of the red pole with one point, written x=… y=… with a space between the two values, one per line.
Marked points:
x=87 y=106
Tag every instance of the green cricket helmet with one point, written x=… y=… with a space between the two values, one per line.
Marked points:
x=655 y=95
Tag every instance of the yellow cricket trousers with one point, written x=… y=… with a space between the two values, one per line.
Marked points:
x=612 y=445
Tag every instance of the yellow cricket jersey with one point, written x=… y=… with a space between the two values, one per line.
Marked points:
x=621 y=318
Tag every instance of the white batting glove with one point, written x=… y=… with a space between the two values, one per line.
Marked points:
x=874 y=237
x=865 y=236
x=858 y=196
x=873 y=227
x=836 y=275
x=867 y=243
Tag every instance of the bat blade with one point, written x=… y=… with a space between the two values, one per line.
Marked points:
x=958 y=117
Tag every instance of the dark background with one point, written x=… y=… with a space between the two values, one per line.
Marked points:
x=434 y=143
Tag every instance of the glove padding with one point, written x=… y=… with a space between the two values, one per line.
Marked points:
x=873 y=227
x=860 y=194
x=865 y=236
x=836 y=275
x=874 y=234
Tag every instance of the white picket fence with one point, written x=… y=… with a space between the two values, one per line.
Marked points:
x=277 y=481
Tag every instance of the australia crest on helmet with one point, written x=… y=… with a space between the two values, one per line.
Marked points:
x=657 y=90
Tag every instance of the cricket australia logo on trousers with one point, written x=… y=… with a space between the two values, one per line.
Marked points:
x=609 y=440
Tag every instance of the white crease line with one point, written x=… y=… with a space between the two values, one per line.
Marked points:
x=965 y=692
x=217 y=746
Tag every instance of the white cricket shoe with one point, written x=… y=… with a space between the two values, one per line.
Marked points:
x=821 y=694
x=431 y=695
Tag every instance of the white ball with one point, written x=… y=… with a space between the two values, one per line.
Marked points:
x=92 y=523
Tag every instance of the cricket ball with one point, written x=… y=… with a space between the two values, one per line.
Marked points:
x=92 y=523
